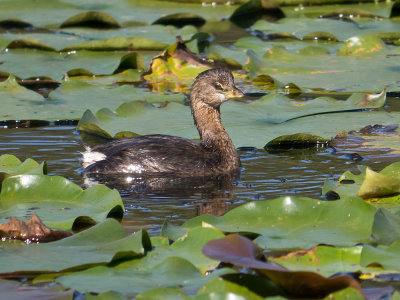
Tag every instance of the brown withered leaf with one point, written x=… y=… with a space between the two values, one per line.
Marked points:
x=33 y=230
x=241 y=251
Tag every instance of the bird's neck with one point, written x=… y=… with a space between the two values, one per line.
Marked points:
x=213 y=135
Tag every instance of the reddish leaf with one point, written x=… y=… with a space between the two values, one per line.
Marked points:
x=241 y=251
x=34 y=229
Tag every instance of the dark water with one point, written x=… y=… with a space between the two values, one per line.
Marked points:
x=264 y=176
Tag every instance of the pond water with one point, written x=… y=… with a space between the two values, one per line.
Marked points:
x=264 y=175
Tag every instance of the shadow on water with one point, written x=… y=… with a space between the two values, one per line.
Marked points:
x=149 y=201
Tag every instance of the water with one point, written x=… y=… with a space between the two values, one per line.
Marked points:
x=264 y=176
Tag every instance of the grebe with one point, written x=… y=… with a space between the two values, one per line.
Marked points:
x=171 y=155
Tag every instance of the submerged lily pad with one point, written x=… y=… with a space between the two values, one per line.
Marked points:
x=60 y=203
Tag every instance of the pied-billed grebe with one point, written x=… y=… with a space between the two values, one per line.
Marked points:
x=165 y=154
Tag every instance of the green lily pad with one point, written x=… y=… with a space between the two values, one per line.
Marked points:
x=119 y=44
x=29 y=44
x=160 y=33
x=169 y=293
x=11 y=166
x=219 y=285
x=382 y=186
x=26 y=63
x=361 y=45
x=110 y=295
x=324 y=260
x=58 y=202
x=386 y=228
x=130 y=281
x=297 y=223
x=347 y=293
x=187 y=247
x=181 y=19
x=11 y=289
x=94 y=19
x=100 y=244
x=385 y=256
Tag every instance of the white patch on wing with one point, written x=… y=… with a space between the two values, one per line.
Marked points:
x=132 y=169
x=90 y=158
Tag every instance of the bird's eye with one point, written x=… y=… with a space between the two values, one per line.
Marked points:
x=218 y=86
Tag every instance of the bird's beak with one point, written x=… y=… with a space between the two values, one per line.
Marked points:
x=234 y=93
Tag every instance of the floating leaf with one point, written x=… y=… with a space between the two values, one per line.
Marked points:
x=386 y=228
x=247 y=14
x=376 y=185
x=30 y=44
x=385 y=256
x=10 y=165
x=130 y=281
x=382 y=186
x=94 y=19
x=361 y=45
x=119 y=44
x=60 y=203
x=323 y=260
x=14 y=290
x=297 y=223
x=181 y=19
x=187 y=247
x=242 y=252
x=99 y=244
x=176 y=63
x=33 y=230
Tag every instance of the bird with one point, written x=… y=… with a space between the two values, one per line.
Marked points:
x=159 y=154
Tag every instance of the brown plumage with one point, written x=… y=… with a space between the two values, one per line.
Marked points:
x=170 y=155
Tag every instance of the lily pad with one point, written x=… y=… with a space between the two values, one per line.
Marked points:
x=240 y=251
x=186 y=247
x=130 y=281
x=324 y=260
x=119 y=44
x=10 y=165
x=29 y=44
x=60 y=203
x=181 y=19
x=297 y=223
x=93 y=19
x=385 y=256
x=382 y=186
x=11 y=289
x=100 y=244
x=361 y=45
